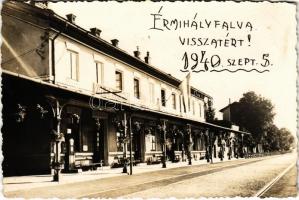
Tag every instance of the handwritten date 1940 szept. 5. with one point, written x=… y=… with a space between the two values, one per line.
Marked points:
x=201 y=62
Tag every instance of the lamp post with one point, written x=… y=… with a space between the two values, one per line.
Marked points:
x=131 y=134
x=183 y=148
x=242 y=145
x=207 y=143
x=125 y=170
x=230 y=151
x=58 y=136
x=163 y=131
x=211 y=145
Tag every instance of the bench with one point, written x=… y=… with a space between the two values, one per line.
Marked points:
x=154 y=160
x=89 y=166
x=119 y=162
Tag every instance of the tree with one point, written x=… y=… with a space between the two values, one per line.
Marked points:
x=209 y=111
x=286 y=139
x=272 y=139
x=249 y=142
x=255 y=114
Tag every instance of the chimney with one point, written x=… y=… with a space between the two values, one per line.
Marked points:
x=115 y=42
x=71 y=18
x=147 y=58
x=137 y=53
x=96 y=32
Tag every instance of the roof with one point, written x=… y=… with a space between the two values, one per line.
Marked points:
x=200 y=94
x=59 y=23
x=229 y=105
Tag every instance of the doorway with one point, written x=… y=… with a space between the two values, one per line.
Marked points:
x=99 y=141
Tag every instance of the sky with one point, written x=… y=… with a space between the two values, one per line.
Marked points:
x=247 y=30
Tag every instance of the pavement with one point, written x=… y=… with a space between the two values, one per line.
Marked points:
x=15 y=183
x=111 y=184
x=108 y=182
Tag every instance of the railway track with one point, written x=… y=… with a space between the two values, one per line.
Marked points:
x=268 y=186
x=117 y=192
x=125 y=185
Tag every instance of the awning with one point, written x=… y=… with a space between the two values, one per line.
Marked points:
x=90 y=94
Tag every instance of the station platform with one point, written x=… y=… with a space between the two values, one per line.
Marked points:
x=15 y=183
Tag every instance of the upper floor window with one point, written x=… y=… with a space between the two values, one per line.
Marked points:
x=99 y=72
x=136 y=88
x=199 y=110
x=180 y=103
x=163 y=98
x=152 y=92
x=73 y=65
x=173 y=100
x=118 y=80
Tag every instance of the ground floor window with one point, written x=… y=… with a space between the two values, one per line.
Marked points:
x=150 y=142
x=119 y=143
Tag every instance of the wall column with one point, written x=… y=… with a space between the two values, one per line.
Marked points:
x=162 y=129
x=189 y=143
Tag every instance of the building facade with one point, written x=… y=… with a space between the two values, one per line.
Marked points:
x=73 y=100
x=230 y=116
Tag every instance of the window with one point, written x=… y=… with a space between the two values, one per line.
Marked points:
x=180 y=102
x=150 y=142
x=173 y=100
x=136 y=88
x=73 y=58
x=152 y=93
x=99 y=73
x=199 y=110
x=118 y=80
x=163 y=100
x=119 y=144
x=153 y=138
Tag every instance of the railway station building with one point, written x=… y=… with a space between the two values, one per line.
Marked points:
x=72 y=100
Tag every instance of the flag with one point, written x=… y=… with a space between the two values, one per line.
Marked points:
x=186 y=92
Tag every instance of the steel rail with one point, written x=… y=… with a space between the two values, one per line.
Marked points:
x=102 y=194
x=267 y=187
